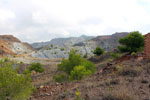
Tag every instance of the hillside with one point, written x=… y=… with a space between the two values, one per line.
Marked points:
x=126 y=78
x=62 y=41
x=62 y=46
x=10 y=45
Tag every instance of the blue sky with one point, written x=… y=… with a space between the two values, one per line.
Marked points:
x=42 y=20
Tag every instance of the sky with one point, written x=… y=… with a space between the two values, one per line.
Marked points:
x=42 y=20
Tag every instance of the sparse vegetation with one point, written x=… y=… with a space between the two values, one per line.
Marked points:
x=61 y=78
x=134 y=42
x=98 y=51
x=127 y=71
x=115 y=55
x=119 y=93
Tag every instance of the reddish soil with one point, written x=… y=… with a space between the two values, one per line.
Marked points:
x=124 y=78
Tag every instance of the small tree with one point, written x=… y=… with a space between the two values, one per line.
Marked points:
x=98 y=51
x=14 y=86
x=132 y=43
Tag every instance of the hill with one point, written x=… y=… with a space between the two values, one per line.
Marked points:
x=62 y=41
x=10 y=45
x=59 y=48
x=125 y=78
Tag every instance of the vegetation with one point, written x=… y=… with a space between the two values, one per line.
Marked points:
x=37 y=67
x=60 y=78
x=78 y=97
x=79 y=72
x=85 y=56
x=115 y=55
x=76 y=67
x=134 y=42
x=62 y=49
x=98 y=51
x=13 y=86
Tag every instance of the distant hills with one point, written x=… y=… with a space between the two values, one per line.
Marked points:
x=60 y=47
x=62 y=41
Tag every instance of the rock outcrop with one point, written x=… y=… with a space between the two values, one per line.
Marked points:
x=10 y=45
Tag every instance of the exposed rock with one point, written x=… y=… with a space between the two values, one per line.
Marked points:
x=62 y=46
x=10 y=45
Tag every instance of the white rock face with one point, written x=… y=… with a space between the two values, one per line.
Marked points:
x=63 y=52
x=19 y=48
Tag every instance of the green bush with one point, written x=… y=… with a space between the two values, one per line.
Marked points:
x=115 y=55
x=133 y=53
x=14 y=86
x=67 y=65
x=60 y=78
x=70 y=65
x=79 y=72
x=134 y=42
x=37 y=67
x=62 y=49
x=98 y=51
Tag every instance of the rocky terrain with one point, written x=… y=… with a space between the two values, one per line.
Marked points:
x=10 y=45
x=59 y=48
x=125 y=78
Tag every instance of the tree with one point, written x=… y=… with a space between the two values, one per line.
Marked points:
x=98 y=51
x=14 y=86
x=134 y=42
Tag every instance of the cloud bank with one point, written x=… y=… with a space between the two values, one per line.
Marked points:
x=42 y=20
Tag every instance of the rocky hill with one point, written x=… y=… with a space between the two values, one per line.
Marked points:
x=62 y=41
x=59 y=48
x=10 y=45
x=109 y=42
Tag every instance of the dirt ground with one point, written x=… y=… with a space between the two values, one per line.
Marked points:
x=126 y=78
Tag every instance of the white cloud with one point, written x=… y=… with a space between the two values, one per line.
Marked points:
x=41 y=20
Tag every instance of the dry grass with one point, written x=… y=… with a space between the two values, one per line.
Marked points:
x=119 y=93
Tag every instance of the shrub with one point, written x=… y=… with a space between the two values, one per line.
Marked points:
x=132 y=43
x=62 y=49
x=115 y=55
x=60 y=78
x=67 y=65
x=79 y=72
x=98 y=51
x=37 y=67
x=133 y=53
x=6 y=59
x=14 y=86
x=75 y=65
